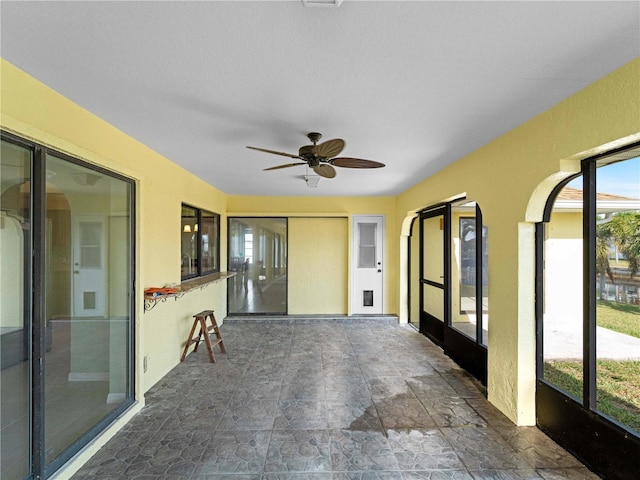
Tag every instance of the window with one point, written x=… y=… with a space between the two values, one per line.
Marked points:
x=473 y=278
x=200 y=245
x=588 y=312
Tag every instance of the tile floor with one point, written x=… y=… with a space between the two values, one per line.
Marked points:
x=325 y=401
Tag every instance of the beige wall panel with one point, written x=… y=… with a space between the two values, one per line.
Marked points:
x=318 y=265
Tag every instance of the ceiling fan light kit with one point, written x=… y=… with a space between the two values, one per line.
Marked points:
x=312 y=180
x=321 y=158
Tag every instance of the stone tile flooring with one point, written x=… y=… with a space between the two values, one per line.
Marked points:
x=325 y=401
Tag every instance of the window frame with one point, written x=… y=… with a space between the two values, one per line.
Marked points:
x=196 y=232
x=565 y=418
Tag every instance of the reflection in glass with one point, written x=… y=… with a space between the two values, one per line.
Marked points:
x=209 y=232
x=189 y=245
x=464 y=318
x=563 y=281
x=258 y=255
x=88 y=238
x=618 y=290
x=15 y=271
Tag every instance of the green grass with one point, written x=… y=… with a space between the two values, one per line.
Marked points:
x=618 y=386
x=619 y=317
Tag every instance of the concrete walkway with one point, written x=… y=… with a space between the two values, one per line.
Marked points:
x=563 y=341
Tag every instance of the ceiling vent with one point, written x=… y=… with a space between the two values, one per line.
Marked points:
x=321 y=3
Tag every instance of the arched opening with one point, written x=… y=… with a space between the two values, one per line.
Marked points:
x=587 y=313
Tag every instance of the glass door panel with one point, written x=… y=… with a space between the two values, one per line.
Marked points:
x=432 y=268
x=433 y=302
x=87 y=320
x=258 y=255
x=15 y=272
x=433 y=247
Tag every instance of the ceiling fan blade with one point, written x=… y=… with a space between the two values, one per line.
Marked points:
x=325 y=170
x=284 y=166
x=284 y=154
x=329 y=149
x=347 y=162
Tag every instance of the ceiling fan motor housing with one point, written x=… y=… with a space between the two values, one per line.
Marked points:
x=308 y=155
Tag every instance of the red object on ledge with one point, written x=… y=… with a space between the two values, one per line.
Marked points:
x=156 y=291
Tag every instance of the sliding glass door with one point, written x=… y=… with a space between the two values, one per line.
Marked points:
x=258 y=256
x=15 y=287
x=67 y=336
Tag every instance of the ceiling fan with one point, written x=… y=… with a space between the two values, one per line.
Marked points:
x=322 y=158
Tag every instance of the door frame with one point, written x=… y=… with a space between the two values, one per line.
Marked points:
x=356 y=287
x=467 y=352
x=430 y=325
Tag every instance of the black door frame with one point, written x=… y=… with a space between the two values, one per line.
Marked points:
x=467 y=352
x=35 y=310
x=430 y=325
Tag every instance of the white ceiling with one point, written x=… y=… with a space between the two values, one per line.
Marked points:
x=415 y=85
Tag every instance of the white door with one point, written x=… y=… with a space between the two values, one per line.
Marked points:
x=89 y=266
x=368 y=264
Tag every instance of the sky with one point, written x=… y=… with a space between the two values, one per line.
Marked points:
x=622 y=178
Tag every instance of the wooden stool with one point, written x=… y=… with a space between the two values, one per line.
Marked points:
x=201 y=320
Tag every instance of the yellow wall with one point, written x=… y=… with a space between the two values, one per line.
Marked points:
x=511 y=178
x=322 y=207
x=34 y=111
x=318 y=265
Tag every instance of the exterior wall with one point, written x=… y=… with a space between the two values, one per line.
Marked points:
x=563 y=267
x=511 y=178
x=323 y=207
